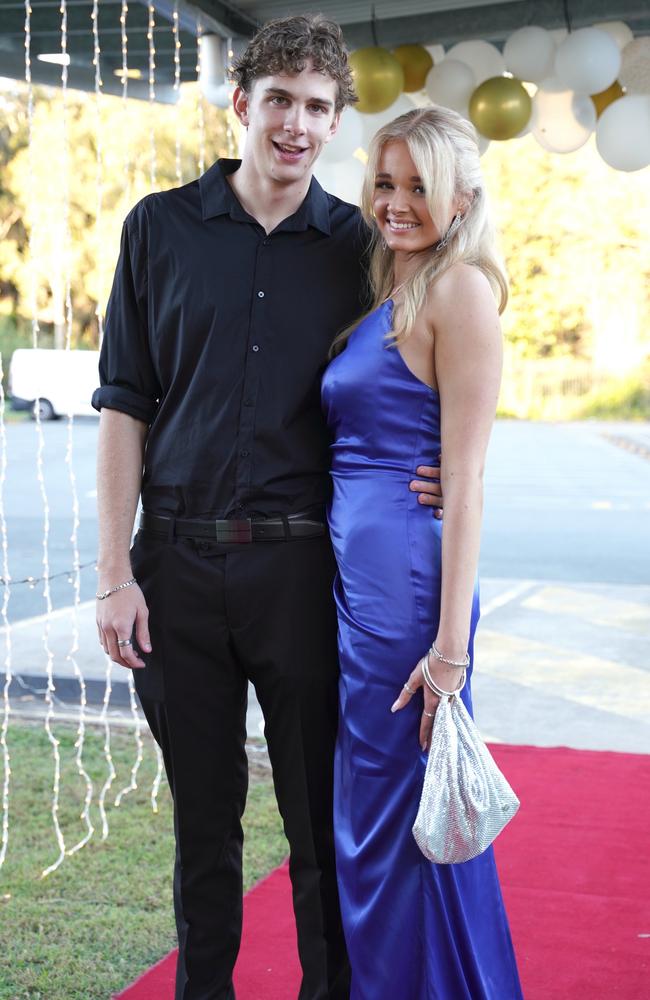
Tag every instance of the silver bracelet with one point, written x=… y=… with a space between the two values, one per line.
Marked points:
x=432 y=684
x=443 y=659
x=114 y=590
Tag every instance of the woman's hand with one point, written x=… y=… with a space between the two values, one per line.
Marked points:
x=431 y=700
x=447 y=678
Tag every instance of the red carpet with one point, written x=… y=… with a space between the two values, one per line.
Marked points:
x=575 y=870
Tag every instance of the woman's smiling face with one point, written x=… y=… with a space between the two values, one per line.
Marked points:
x=399 y=202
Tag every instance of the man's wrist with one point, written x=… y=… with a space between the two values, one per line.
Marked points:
x=109 y=574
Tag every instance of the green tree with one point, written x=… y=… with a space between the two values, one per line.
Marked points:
x=576 y=238
x=89 y=162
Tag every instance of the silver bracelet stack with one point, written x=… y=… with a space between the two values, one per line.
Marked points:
x=443 y=659
x=114 y=590
x=432 y=684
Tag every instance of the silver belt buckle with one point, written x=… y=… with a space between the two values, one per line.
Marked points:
x=234 y=532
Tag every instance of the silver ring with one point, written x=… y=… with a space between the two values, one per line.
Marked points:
x=409 y=689
x=429 y=715
x=124 y=642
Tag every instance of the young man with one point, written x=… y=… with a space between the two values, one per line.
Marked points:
x=227 y=296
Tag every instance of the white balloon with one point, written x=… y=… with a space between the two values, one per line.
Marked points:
x=371 y=123
x=623 y=133
x=564 y=120
x=558 y=34
x=483 y=58
x=619 y=31
x=635 y=66
x=529 y=54
x=588 y=61
x=451 y=84
x=342 y=179
x=347 y=138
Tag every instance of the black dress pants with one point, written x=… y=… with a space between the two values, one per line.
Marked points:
x=221 y=615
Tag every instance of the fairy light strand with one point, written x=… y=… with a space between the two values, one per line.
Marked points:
x=177 y=90
x=31 y=581
x=230 y=138
x=151 y=24
x=104 y=721
x=155 y=788
x=50 y=689
x=126 y=134
x=74 y=537
x=137 y=723
x=199 y=102
x=126 y=165
x=6 y=708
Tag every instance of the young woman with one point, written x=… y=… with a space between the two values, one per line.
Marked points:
x=417 y=376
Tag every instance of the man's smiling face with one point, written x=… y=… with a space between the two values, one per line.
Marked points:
x=289 y=119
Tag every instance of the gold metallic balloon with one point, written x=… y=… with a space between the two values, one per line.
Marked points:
x=416 y=63
x=607 y=97
x=378 y=79
x=500 y=107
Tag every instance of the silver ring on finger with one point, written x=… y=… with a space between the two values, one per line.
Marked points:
x=124 y=642
x=409 y=689
x=429 y=715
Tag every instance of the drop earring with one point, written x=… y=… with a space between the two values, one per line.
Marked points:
x=453 y=229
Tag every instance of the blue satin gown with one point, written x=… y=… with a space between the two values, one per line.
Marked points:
x=414 y=930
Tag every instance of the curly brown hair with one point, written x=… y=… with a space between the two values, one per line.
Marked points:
x=288 y=44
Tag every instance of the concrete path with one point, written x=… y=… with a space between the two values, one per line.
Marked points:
x=556 y=664
x=563 y=648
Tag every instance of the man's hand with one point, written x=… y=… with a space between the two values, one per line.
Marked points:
x=121 y=616
x=428 y=488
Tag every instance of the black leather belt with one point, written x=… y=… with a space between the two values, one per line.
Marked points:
x=227 y=532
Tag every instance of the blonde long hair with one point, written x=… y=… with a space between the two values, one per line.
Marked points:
x=444 y=149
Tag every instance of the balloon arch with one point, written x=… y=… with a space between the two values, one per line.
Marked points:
x=560 y=86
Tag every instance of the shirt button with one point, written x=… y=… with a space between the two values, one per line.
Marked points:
x=255 y=348
x=265 y=243
x=248 y=402
x=244 y=453
x=260 y=295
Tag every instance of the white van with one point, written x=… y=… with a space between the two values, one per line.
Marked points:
x=56 y=383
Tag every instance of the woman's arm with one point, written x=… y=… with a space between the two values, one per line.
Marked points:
x=468 y=359
x=468 y=355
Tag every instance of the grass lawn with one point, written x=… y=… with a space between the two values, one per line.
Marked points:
x=105 y=915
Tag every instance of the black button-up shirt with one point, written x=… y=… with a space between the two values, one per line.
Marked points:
x=217 y=336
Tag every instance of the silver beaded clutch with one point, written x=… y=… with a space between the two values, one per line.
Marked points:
x=466 y=801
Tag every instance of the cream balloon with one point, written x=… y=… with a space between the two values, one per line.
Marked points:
x=529 y=54
x=588 y=61
x=483 y=59
x=635 y=66
x=347 y=138
x=371 y=123
x=341 y=179
x=619 y=31
x=451 y=83
x=563 y=120
x=623 y=133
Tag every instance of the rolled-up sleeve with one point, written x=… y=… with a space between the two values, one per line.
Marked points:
x=127 y=376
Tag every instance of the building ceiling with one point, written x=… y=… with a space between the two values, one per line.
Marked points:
x=395 y=22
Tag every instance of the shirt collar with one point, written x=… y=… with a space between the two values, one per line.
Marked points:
x=218 y=198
